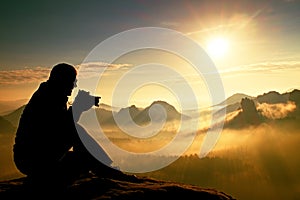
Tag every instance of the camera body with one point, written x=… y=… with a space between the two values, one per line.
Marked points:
x=85 y=97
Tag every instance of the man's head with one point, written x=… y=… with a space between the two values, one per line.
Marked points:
x=63 y=76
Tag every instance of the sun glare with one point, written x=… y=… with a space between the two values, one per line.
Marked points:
x=217 y=47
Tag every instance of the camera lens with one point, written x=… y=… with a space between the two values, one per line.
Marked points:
x=97 y=100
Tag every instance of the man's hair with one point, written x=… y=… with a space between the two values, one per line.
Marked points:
x=63 y=73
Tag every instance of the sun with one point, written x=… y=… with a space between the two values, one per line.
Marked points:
x=217 y=47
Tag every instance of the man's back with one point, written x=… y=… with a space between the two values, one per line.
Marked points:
x=46 y=129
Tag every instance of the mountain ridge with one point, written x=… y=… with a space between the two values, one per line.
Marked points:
x=237 y=97
x=141 y=116
x=271 y=97
x=253 y=112
x=106 y=113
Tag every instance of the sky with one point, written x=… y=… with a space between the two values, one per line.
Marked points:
x=254 y=44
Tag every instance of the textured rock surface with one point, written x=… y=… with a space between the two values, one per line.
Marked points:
x=106 y=188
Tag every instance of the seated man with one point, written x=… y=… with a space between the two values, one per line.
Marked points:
x=47 y=133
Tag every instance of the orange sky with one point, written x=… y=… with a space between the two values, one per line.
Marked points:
x=260 y=54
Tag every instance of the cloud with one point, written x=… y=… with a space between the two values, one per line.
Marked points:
x=276 y=111
x=97 y=65
x=38 y=74
x=236 y=21
x=256 y=69
x=170 y=23
x=219 y=27
x=232 y=115
x=93 y=69
x=27 y=75
x=266 y=67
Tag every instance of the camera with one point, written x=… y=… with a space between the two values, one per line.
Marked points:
x=85 y=96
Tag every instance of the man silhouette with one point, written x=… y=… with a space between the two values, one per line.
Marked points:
x=47 y=133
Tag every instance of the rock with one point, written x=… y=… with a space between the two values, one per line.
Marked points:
x=91 y=187
x=249 y=111
x=248 y=116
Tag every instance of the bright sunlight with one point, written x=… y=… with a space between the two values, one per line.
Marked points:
x=217 y=47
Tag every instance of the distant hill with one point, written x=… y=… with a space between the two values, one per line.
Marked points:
x=14 y=116
x=273 y=97
x=233 y=102
x=9 y=106
x=104 y=116
x=6 y=126
x=249 y=114
x=108 y=107
x=236 y=98
x=171 y=113
x=133 y=111
x=139 y=115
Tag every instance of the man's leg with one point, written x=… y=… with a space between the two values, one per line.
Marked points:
x=84 y=157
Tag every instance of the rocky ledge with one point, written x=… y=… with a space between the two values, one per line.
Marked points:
x=108 y=188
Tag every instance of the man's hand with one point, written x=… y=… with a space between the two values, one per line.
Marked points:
x=83 y=102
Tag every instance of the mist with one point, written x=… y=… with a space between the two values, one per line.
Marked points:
x=260 y=162
x=276 y=111
x=249 y=160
